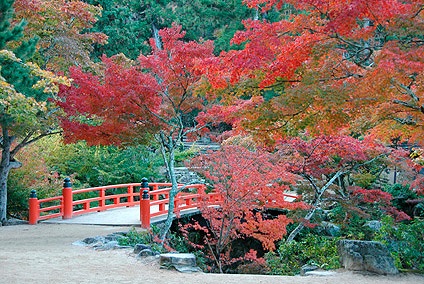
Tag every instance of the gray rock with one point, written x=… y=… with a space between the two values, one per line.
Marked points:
x=187 y=269
x=306 y=268
x=374 y=225
x=366 y=256
x=112 y=237
x=93 y=240
x=145 y=252
x=13 y=222
x=183 y=262
x=107 y=245
x=139 y=247
x=320 y=273
x=331 y=229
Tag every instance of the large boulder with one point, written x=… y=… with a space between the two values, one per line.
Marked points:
x=183 y=262
x=366 y=256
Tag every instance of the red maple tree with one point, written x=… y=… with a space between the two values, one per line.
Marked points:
x=329 y=67
x=327 y=163
x=249 y=183
x=132 y=103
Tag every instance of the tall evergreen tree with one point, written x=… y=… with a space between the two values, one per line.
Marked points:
x=130 y=23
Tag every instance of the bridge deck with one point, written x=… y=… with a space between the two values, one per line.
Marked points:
x=128 y=216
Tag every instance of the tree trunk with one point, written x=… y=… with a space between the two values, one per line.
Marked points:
x=170 y=165
x=314 y=204
x=156 y=37
x=7 y=163
x=4 y=172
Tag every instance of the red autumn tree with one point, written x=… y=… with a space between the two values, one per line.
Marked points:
x=330 y=66
x=133 y=103
x=248 y=183
x=326 y=164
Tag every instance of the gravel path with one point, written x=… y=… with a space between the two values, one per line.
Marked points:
x=45 y=254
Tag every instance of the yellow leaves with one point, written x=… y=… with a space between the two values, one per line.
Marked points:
x=24 y=113
x=49 y=82
x=17 y=109
x=417 y=156
x=7 y=54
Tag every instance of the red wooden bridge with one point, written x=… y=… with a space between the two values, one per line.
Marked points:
x=152 y=199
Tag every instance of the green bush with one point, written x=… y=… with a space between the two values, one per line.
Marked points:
x=405 y=242
x=401 y=194
x=313 y=249
x=34 y=174
x=103 y=165
x=133 y=237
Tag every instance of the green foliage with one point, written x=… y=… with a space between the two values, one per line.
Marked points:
x=215 y=20
x=130 y=24
x=34 y=174
x=127 y=25
x=133 y=237
x=102 y=165
x=181 y=155
x=352 y=224
x=13 y=71
x=364 y=180
x=401 y=194
x=313 y=249
x=405 y=242
x=8 y=33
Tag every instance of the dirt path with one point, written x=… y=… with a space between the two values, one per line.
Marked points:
x=45 y=254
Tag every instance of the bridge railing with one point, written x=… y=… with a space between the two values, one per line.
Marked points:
x=96 y=199
x=189 y=197
x=153 y=199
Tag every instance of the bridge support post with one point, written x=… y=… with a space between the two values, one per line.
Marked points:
x=145 y=204
x=34 y=208
x=67 y=207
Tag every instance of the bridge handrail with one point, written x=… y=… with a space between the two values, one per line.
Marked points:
x=156 y=195
x=54 y=207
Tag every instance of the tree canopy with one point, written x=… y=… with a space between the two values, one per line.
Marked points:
x=351 y=66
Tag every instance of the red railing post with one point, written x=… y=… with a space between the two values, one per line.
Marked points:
x=34 y=208
x=67 y=206
x=130 y=192
x=102 y=201
x=144 y=204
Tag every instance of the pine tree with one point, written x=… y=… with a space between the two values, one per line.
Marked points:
x=25 y=114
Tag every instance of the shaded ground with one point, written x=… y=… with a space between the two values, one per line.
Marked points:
x=44 y=254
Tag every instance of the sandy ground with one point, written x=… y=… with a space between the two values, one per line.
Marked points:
x=45 y=254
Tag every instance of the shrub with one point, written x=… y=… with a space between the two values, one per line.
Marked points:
x=134 y=237
x=34 y=174
x=313 y=249
x=405 y=242
x=401 y=194
x=103 y=165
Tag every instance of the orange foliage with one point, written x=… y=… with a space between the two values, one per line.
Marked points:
x=334 y=67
